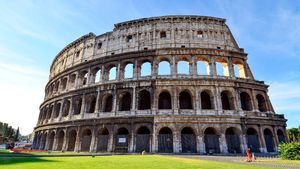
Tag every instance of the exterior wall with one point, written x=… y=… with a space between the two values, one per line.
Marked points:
x=76 y=98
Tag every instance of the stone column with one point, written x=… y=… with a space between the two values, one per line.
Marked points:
x=118 y=74
x=176 y=142
x=223 y=145
x=276 y=141
x=114 y=108
x=60 y=110
x=201 y=145
x=254 y=101
x=65 y=141
x=78 y=140
x=154 y=141
x=154 y=69
x=136 y=70
x=218 y=100
x=261 y=137
x=131 y=141
x=175 y=101
x=231 y=68
x=103 y=74
x=83 y=105
x=173 y=67
x=110 y=142
x=93 y=146
x=133 y=107
x=69 y=116
x=213 y=70
x=97 y=101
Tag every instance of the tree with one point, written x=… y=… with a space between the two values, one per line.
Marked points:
x=17 y=135
x=294 y=134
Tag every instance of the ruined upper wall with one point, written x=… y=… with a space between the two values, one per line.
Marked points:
x=148 y=33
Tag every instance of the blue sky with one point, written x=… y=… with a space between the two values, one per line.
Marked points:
x=33 y=32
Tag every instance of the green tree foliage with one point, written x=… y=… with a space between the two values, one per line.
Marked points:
x=294 y=134
x=290 y=151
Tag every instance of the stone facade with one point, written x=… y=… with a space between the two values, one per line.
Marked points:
x=91 y=104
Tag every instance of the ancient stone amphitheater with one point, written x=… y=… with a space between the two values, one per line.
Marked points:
x=170 y=84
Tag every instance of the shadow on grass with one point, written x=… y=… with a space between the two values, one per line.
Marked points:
x=7 y=158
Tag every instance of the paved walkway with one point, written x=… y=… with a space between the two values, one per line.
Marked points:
x=260 y=161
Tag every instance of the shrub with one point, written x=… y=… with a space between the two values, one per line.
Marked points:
x=290 y=151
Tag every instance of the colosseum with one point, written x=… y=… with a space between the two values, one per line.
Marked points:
x=170 y=84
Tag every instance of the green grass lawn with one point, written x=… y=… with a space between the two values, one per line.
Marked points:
x=117 y=162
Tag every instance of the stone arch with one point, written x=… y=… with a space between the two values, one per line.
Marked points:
x=164 y=100
x=112 y=73
x=91 y=104
x=233 y=140
x=188 y=140
x=128 y=70
x=103 y=137
x=96 y=75
x=143 y=139
x=268 y=136
x=107 y=102
x=57 y=109
x=122 y=140
x=83 y=76
x=125 y=102
x=144 y=100
x=246 y=101
x=211 y=140
x=72 y=80
x=239 y=70
x=253 y=140
x=185 y=100
x=227 y=100
x=86 y=138
x=64 y=83
x=72 y=140
x=51 y=140
x=164 y=67
x=77 y=104
x=66 y=108
x=206 y=100
x=183 y=67
x=165 y=140
x=222 y=67
x=261 y=102
x=60 y=140
x=203 y=67
x=146 y=69
x=280 y=136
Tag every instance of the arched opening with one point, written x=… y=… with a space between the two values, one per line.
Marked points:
x=103 y=137
x=262 y=107
x=56 y=87
x=222 y=68
x=233 y=141
x=60 y=140
x=164 y=101
x=185 y=100
x=146 y=69
x=211 y=140
x=122 y=140
x=51 y=140
x=245 y=101
x=91 y=104
x=72 y=140
x=144 y=100
x=203 y=68
x=86 y=140
x=84 y=77
x=49 y=112
x=188 y=140
x=164 y=68
x=143 y=139
x=269 y=140
x=165 y=140
x=72 y=80
x=281 y=137
x=43 y=141
x=64 y=83
x=108 y=101
x=97 y=75
x=57 y=109
x=227 y=100
x=206 y=100
x=66 y=108
x=112 y=73
x=183 y=67
x=77 y=105
x=125 y=102
x=239 y=70
x=252 y=140
x=128 y=72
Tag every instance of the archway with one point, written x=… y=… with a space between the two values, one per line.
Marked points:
x=281 y=137
x=261 y=102
x=165 y=140
x=125 y=102
x=103 y=137
x=143 y=139
x=144 y=100
x=211 y=140
x=188 y=140
x=60 y=140
x=164 y=101
x=51 y=140
x=122 y=140
x=185 y=100
x=226 y=101
x=245 y=101
x=72 y=140
x=86 y=140
x=269 y=140
x=108 y=102
x=233 y=141
x=252 y=139
x=205 y=100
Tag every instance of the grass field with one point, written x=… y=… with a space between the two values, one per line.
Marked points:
x=123 y=162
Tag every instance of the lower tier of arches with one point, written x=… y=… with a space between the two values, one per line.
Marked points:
x=164 y=135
